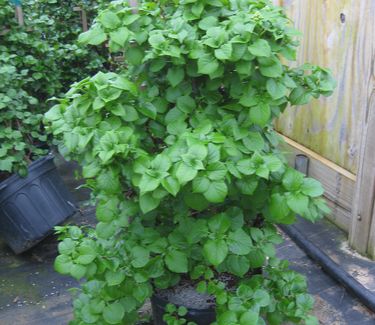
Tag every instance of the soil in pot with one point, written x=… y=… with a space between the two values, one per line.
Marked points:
x=201 y=307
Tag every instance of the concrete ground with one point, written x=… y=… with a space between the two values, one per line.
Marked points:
x=32 y=293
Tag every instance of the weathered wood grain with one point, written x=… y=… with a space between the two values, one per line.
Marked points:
x=339 y=184
x=335 y=35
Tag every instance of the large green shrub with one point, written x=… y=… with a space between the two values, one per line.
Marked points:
x=182 y=158
x=37 y=61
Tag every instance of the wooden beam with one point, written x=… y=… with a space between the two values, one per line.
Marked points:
x=339 y=184
x=361 y=236
x=19 y=16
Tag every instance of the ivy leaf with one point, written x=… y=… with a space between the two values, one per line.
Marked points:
x=298 y=203
x=216 y=192
x=148 y=203
x=276 y=89
x=113 y=313
x=176 y=261
x=260 y=114
x=215 y=250
x=260 y=48
x=312 y=187
x=207 y=64
x=175 y=75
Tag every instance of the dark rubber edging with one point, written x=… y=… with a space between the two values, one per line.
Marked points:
x=332 y=268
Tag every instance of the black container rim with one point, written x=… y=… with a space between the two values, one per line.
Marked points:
x=161 y=301
x=34 y=165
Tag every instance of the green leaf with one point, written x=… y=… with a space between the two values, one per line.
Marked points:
x=175 y=75
x=224 y=52
x=114 y=278
x=148 y=110
x=215 y=251
x=239 y=242
x=176 y=261
x=298 y=203
x=278 y=207
x=109 y=20
x=260 y=114
x=292 y=180
x=134 y=55
x=196 y=201
x=260 y=48
x=171 y=185
x=216 y=192
x=208 y=22
x=141 y=256
x=120 y=36
x=271 y=67
x=78 y=271
x=249 y=318
x=276 y=89
x=312 y=187
x=185 y=173
x=200 y=184
x=113 y=313
x=216 y=171
x=148 y=183
x=148 y=203
x=93 y=36
x=63 y=264
x=186 y=104
x=207 y=64
x=300 y=96
x=238 y=265
x=219 y=223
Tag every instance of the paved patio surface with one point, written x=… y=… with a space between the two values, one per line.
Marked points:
x=32 y=293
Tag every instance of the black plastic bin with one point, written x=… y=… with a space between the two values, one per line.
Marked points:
x=199 y=316
x=30 y=207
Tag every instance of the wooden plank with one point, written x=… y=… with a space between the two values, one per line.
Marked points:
x=362 y=236
x=333 y=37
x=19 y=16
x=338 y=183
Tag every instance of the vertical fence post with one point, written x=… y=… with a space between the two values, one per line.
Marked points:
x=19 y=12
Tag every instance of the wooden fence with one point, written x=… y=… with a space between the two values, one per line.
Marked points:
x=338 y=133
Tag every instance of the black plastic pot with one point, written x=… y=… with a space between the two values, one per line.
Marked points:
x=199 y=316
x=30 y=207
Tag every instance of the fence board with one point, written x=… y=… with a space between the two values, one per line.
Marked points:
x=331 y=127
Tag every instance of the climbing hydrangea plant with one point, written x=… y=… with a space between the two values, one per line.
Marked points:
x=182 y=158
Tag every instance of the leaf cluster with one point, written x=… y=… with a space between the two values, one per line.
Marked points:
x=179 y=150
x=37 y=61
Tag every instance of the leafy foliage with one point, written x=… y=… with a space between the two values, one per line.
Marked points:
x=37 y=61
x=179 y=150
